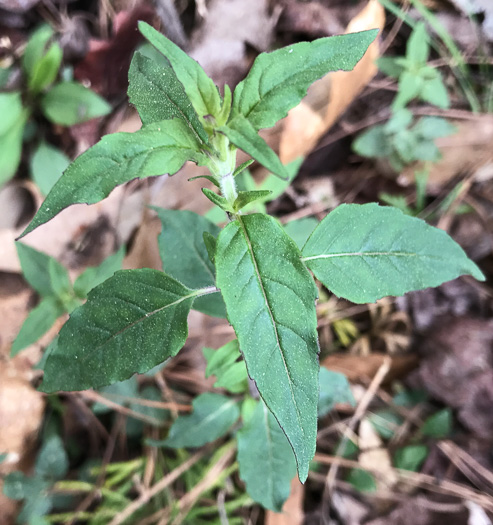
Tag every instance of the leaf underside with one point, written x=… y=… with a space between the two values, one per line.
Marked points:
x=132 y=322
x=366 y=252
x=270 y=299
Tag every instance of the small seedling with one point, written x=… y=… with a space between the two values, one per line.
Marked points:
x=62 y=102
x=417 y=80
x=251 y=270
x=403 y=141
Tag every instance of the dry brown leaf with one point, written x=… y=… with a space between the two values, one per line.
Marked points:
x=292 y=511
x=329 y=97
x=362 y=368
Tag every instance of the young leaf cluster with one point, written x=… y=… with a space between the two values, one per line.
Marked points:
x=63 y=102
x=417 y=80
x=252 y=271
x=403 y=141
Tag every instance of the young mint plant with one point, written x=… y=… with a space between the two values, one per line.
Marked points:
x=416 y=78
x=403 y=141
x=254 y=270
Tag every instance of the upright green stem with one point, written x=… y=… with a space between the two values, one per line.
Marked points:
x=223 y=166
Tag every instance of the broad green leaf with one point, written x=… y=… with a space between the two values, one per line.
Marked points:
x=200 y=89
x=95 y=275
x=52 y=460
x=213 y=415
x=270 y=299
x=223 y=363
x=47 y=165
x=12 y=124
x=243 y=135
x=130 y=323
x=70 y=103
x=161 y=147
x=365 y=252
x=334 y=388
x=247 y=197
x=410 y=457
x=38 y=322
x=438 y=425
x=158 y=95
x=185 y=257
x=265 y=458
x=40 y=269
x=279 y=80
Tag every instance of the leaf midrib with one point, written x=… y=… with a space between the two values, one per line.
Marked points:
x=273 y=321
x=368 y=254
x=143 y=318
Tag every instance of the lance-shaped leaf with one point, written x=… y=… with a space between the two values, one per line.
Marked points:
x=243 y=135
x=184 y=255
x=279 y=80
x=266 y=461
x=270 y=299
x=200 y=89
x=365 y=252
x=161 y=147
x=158 y=95
x=130 y=323
x=213 y=415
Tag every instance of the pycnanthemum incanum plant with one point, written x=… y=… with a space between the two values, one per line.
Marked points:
x=251 y=270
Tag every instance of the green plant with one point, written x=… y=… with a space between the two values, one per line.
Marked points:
x=416 y=78
x=251 y=270
x=62 y=102
x=58 y=296
x=403 y=141
x=35 y=491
